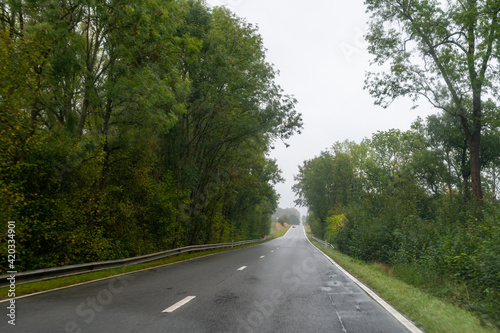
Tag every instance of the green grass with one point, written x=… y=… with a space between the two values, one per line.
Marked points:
x=430 y=313
x=39 y=286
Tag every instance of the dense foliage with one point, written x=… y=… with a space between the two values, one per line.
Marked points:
x=401 y=198
x=132 y=126
x=444 y=51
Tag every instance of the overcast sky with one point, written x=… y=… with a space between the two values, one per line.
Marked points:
x=318 y=47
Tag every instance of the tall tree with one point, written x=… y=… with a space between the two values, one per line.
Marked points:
x=234 y=111
x=446 y=52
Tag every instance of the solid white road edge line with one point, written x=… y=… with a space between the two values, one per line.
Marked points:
x=402 y=319
x=179 y=304
x=242 y=268
x=287 y=231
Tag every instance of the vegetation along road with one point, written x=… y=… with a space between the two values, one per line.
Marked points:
x=129 y=127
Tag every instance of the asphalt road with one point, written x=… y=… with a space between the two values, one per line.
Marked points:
x=285 y=285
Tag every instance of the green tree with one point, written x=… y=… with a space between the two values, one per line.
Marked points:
x=294 y=220
x=91 y=87
x=234 y=112
x=444 y=52
x=327 y=184
x=445 y=135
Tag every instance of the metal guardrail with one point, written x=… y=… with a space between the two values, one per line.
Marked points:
x=55 y=272
x=324 y=242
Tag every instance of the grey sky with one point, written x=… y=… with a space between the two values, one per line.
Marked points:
x=318 y=47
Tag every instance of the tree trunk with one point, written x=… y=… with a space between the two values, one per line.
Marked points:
x=475 y=151
x=85 y=108
x=106 y=147
x=473 y=136
x=465 y=172
x=448 y=178
x=475 y=169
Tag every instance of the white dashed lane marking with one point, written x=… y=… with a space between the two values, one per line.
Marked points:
x=242 y=268
x=179 y=304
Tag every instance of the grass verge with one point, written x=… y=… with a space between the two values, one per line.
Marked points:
x=39 y=286
x=428 y=312
x=277 y=230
